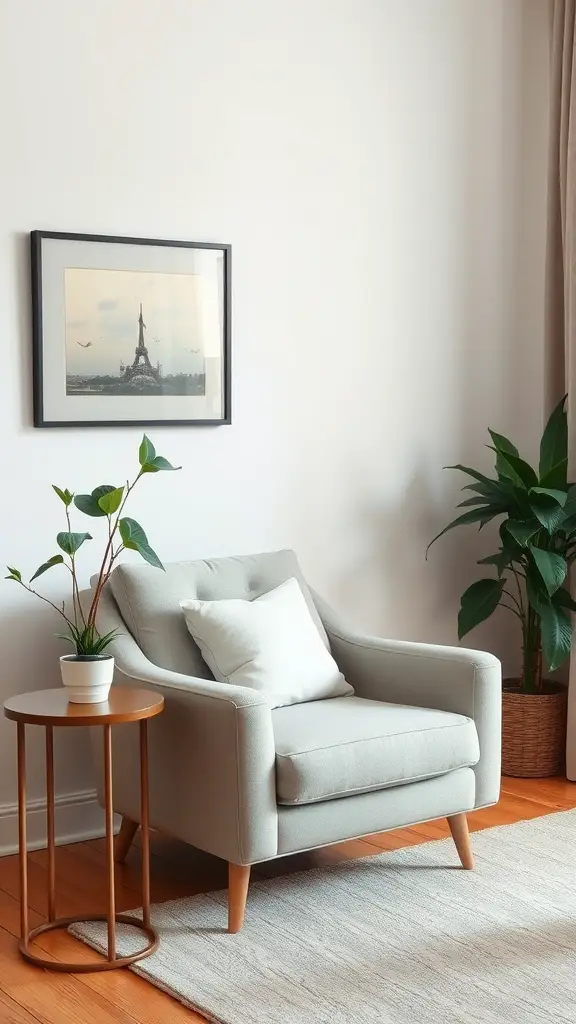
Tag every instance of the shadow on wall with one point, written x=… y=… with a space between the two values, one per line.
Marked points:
x=506 y=367
x=420 y=598
x=30 y=654
x=501 y=350
x=492 y=372
x=502 y=344
x=21 y=262
x=393 y=563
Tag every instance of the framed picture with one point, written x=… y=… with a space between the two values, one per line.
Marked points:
x=129 y=331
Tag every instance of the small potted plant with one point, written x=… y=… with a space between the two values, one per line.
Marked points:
x=87 y=674
x=537 y=547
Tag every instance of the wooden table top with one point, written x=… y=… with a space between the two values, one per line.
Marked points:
x=51 y=707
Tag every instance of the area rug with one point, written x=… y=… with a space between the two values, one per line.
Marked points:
x=405 y=937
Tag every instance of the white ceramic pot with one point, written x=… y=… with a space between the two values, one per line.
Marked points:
x=87 y=678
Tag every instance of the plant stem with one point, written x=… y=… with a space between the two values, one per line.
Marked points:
x=511 y=609
x=570 y=552
x=532 y=668
x=520 y=596
x=531 y=639
x=105 y=568
x=516 y=602
x=47 y=601
x=76 y=603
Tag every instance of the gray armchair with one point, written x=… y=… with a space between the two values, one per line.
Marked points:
x=419 y=739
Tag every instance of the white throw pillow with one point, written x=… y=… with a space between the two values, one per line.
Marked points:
x=270 y=644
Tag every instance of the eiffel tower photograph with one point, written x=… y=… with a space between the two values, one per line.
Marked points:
x=115 y=351
x=130 y=330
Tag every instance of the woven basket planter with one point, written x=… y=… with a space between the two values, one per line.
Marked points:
x=533 y=731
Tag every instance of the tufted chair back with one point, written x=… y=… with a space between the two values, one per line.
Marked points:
x=148 y=600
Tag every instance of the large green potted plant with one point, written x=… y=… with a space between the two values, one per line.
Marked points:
x=537 y=535
x=87 y=674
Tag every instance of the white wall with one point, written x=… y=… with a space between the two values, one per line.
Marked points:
x=364 y=158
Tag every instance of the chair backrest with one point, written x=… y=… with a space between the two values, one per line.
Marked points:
x=148 y=600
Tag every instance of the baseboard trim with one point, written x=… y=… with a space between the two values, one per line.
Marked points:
x=78 y=816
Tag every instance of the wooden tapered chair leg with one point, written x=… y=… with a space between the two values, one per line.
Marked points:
x=238 y=881
x=459 y=828
x=123 y=840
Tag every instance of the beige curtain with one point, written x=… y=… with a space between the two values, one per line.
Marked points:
x=561 y=257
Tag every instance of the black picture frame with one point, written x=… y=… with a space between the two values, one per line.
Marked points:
x=37 y=238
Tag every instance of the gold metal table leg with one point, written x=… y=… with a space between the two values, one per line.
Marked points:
x=22 y=842
x=145 y=823
x=110 y=842
x=50 y=822
x=110 y=917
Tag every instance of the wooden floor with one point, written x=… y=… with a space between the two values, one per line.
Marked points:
x=29 y=995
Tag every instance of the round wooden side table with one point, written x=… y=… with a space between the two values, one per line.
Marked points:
x=51 y=708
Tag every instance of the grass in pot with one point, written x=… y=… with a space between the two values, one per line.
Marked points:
x=537 y=546
x=87 y=673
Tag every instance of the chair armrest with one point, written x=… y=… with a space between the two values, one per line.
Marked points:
x=212 y=757
x=455 y=679
x=132 y=663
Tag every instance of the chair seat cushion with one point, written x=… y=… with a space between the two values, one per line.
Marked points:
x=338 y=747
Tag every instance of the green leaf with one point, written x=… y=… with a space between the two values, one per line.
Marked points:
x=64 y=495
x=522 y=530
x=70 y=542
x=86 y=503
x=478 y=500
x=501 y=560
x=558 y=496
x=55 y=560
x=509 y=542
x=15 y=574
x=88 y=640
x=474 y=473
x=498 y=492
x=157 y=464
x=69 y=639
x=477 y=604
x=512 y=501
x=554 y=443
x=570 y=506
x=492 y=489
x=502 y=444
x=89 y=503
x=552 y=567
x=475 y=515
x=147 y=451
x=134 y=538
x=568 y=526
x=548 y=512
x=556 y=631
x=73 y=635
x=111 y=500
x=557 y=476
x=536 y=592
x=513 y=468
x=161 y=463
x=102 y=642
x=563 y=599
x=103 y=489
